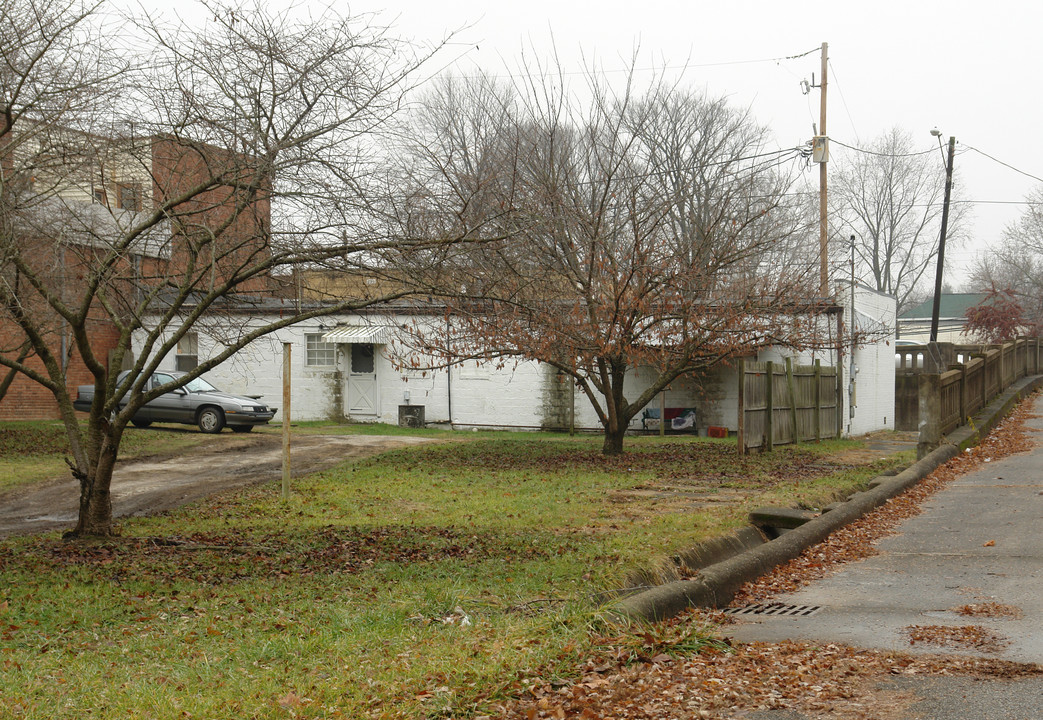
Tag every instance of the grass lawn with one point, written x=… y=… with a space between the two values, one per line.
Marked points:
x=421 y=583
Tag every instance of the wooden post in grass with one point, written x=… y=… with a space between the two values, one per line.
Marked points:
x=818 y=399
x=742 y=407
x=791 y=388
x=769 y=425
x=286 y=351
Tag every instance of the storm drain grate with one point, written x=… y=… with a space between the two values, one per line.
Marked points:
x=775 y=609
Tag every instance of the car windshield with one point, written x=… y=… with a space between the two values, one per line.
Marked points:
x=199 y=385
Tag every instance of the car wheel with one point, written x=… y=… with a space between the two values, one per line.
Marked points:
x=141 y=423
x=211 y=420
x=242 y=428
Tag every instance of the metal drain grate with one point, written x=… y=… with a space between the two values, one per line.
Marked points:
x=774 y=609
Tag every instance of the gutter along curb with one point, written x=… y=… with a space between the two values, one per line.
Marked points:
x=716 y=584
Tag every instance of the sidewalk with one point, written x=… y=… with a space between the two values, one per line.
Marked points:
x=976 y=545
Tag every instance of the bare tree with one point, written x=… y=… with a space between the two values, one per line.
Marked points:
x=644 y=229
x=145 y=187
x=890 y=197
x=1015 y=264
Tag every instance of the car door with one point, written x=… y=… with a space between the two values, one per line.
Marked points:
x=172 y=406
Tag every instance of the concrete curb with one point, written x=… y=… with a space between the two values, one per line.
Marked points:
x=716 y=584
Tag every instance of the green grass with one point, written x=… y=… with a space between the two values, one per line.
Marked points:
x=422 y=583
x=358 y=428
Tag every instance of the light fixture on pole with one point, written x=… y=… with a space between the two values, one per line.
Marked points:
x=941 y=241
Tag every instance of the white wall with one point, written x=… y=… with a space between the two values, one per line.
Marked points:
x=518 y=394
x=875 y=379
x=874 y=384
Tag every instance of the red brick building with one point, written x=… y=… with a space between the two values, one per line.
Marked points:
x=217 y=222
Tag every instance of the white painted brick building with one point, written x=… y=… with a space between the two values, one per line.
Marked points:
x=341 y=367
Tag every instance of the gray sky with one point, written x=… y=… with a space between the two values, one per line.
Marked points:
x=967 y=68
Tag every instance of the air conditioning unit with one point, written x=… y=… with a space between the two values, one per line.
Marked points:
x=411 y=416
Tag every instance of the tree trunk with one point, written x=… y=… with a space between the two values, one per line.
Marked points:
x=95 y=517
x=613 y=441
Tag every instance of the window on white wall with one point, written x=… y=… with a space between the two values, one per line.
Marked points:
x=319 y=353
x=187 y=355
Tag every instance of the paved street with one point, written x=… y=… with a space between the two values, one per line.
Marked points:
x=977 y=543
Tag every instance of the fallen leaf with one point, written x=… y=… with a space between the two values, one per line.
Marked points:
x=990 y=543
x=289 y=700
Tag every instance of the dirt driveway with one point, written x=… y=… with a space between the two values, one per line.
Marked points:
x=152 y=485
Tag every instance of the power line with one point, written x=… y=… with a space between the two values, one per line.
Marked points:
x=881 y=154
x=1007 y=165
x=843 y=100
x=779 y=157
x=982 y=202
x=685 y=66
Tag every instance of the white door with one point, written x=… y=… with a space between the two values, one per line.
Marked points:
x=363 y=398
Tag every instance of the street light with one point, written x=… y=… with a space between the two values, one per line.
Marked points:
x=941 y=241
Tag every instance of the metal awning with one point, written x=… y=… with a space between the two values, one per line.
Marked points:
x=358 y=334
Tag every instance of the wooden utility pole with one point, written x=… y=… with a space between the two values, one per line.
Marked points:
x=936 y=308
x=823 y=240
x=286 y=351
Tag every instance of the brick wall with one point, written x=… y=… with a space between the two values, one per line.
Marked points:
x=242 y=217
x=28 y=400
x=176 y=168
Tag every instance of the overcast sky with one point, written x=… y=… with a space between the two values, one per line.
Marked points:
x=967 y=68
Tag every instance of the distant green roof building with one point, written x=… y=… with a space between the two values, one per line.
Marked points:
x=915 y=323
x=952 y=305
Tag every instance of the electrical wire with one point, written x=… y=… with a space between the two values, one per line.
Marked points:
x=780 y=157
x=843 y=99
x=881 y=154
x=685 y=66
x=1006 y=165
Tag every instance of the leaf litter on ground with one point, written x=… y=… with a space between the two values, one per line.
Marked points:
x=712 y=678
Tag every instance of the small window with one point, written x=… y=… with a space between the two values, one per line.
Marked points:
x=362 y=358
x=128 y=196
x=99 y=196
x=187 y=356
x=319 y=353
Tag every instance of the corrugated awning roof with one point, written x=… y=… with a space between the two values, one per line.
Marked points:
x=356 y=334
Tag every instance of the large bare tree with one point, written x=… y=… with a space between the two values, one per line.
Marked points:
x=889 y=196
x=144 y=183
x=648 y=229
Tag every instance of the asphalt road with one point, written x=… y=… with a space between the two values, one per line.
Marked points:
x=977 y=543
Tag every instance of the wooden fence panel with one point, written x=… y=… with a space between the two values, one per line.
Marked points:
x=783 y=404
x=753 y=376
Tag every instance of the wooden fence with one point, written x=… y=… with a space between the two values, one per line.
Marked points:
x=973 y=375
x=780 y=404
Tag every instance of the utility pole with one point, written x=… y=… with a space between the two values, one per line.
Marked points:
x=823 y=241
x=941 y=242
x=286 y=396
